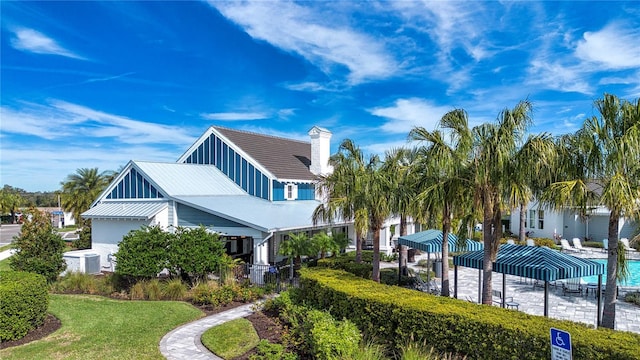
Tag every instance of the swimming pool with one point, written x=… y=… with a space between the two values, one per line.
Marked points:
x=634 y=274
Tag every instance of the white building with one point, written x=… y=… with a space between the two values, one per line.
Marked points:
x=253 y=189
x=567 y=224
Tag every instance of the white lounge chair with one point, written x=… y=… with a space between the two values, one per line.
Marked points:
x=566 y=247
x=572 y=286
x=530 y=242
x=578 y=246
x=627 y=247
x=510 y=241
x=605 y=245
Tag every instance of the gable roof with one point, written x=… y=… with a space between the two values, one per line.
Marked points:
x=285 y=158
x=176 y=179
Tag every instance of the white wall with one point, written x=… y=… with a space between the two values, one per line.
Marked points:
x=106 y=234
x=553 y=223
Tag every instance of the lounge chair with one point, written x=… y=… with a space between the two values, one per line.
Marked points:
x=578 y=246
x=510 y=241
x=508 y=302
x=429 y=287
x=572 y=286
x=605 y=245
x=566 y=246
x=530 y=242
x=627 y=247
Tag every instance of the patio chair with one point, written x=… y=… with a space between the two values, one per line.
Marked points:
x=510 y=241
x=627 y=247
x=572 y=286
x=566 y=246
x=578 y=246
x=530 y=242
x=508 y=301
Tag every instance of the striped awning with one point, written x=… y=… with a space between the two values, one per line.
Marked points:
x=533 y=262
x=431 y=241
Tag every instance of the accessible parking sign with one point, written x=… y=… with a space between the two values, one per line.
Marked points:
x=560 y=345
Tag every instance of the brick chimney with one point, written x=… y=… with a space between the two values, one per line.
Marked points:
x=320 y=150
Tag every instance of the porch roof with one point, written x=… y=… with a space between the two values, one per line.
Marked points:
x=142 y=210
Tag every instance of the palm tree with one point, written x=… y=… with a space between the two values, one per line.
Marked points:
x=79 y=190
x=446 y=186
x=601 y=163
x=342 y=192
x=296 y=246
x=10 y=201
x=494 y=145
x=530 y=172
x=358 y=191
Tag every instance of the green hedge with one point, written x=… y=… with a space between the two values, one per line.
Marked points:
x=394 y=315
x=24 y=300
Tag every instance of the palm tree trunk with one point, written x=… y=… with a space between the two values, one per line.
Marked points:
x=375 y=276
x=446 y=227
x=487 y=268
x=523 y=217
x=358 y=249
x=609 y=312
x=404 y=253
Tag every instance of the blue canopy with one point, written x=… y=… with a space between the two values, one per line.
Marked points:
x=533 y=262
x=431 y=241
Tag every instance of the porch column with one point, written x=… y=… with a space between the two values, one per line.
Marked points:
x=260 y=251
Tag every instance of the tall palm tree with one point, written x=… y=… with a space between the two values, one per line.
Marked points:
x=446 y=187
x=602 y=167
x=342 y=192
x=79 y=190
x=530 y=172
x=494 y=145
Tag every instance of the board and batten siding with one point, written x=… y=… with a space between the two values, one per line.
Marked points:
x=189 y=217
x=306 y=191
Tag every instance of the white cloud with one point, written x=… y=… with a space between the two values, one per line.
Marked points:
x=613 y=47
x=558 y=76
x=312 y=35
x=235 y=116
x=59 y=119
x=406 y=114
x=33 y=41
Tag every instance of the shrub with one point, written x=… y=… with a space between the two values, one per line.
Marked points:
x=142 y=253
x=24 y=304
x=544 y=242
x=269 y=351
x=459 y=327
x=330 y=339
x=39 y=248
x=194 y=253
x=175 y=290
x=633 y=297
x=152 y=289
x=84 y=236
x=137 y=291
x=593 y=244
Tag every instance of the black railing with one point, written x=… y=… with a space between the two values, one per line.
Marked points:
x=264 y=275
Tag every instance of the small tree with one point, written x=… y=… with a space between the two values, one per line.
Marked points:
x=195 y=253
x=84 y=236
x=322 y=243
x=143 y=252
x=295 y=247
x=39 y=248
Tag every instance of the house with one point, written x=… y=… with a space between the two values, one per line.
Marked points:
x=541 y=221
x=252 y=189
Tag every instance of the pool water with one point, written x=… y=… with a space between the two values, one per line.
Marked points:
x=634 y=274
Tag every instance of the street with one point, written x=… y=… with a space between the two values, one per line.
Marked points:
x=7 y=232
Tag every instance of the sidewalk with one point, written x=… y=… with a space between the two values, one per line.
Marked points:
x=6 y=254
x=184 y=342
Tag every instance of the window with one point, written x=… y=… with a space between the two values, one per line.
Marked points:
x=290 y=192
x=540 y=219
x=532 y=219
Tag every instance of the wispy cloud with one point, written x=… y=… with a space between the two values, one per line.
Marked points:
x=613 y=47
x=107 y=78
x=315 y=35
x=30 y=40
x=234 y=116
x=60 y=119
x=406 y=114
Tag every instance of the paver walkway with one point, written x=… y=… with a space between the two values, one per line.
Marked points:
x=184 y=342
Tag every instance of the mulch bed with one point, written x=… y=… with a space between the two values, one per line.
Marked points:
x=51 y=324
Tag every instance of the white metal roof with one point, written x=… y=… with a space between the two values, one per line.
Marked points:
x=130 y=209
x=188 y=179
x=257 y=213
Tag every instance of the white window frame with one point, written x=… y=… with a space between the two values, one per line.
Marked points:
x=290 y=191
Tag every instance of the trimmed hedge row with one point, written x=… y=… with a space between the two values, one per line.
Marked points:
x=393 y=315
x=24 y=300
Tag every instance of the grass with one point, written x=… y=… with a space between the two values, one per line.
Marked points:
x=4 y=265
x=231 y=339
x=95 y=327
x=5 y=247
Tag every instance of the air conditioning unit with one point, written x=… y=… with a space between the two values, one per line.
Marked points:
x=83 y=261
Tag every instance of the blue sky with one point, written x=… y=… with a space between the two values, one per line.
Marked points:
x=92 y=84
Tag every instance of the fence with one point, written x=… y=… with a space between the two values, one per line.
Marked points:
x=266 y=275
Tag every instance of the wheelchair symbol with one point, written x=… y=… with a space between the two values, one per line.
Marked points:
x=559 y=340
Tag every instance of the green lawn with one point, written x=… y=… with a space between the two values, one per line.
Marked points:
x=5 y=247
x=4 y=265
x=96 y=327
x=231 y=339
